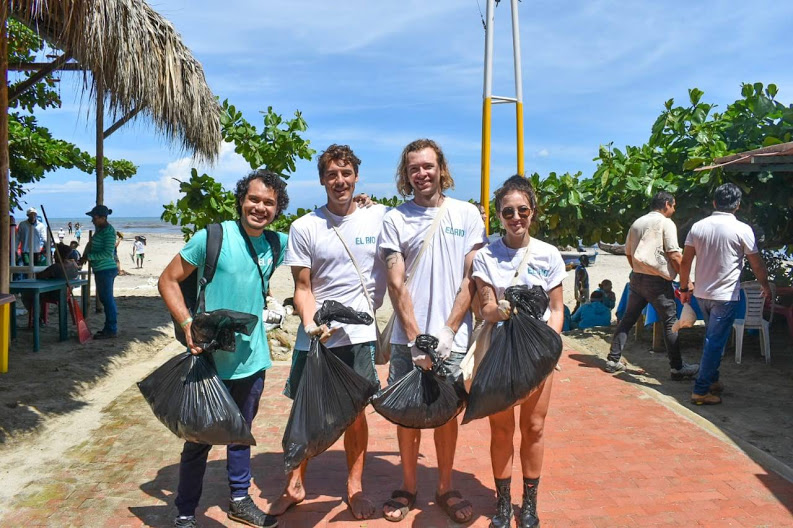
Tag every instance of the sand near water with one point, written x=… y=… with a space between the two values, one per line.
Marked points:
x=50 y=399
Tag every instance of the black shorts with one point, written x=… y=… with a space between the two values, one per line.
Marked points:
x=359 y=357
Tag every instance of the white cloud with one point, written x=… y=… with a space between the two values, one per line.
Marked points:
x=543 y=153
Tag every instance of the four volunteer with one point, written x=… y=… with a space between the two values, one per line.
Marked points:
x=432 y=256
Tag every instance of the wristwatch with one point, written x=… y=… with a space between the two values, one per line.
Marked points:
x=683 y=290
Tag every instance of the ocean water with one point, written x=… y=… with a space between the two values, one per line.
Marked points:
x=127 y=225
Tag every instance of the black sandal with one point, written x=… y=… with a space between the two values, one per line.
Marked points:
x=452 y=509
x=403 y=509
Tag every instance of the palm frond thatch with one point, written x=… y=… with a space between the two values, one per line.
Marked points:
x=140 y=60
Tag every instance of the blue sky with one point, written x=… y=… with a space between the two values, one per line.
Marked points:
x=376 y=75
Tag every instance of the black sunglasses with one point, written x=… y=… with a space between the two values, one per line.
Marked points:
x=509 y=212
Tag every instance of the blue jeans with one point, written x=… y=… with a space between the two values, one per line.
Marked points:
x=246 y=392
x=719 y=317
x=104 y=289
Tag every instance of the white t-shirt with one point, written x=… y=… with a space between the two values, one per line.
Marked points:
x=721 y=241
x=314 y=244
x=439 y=273
x=496 y=265
x=140 y=249
x=663 y=232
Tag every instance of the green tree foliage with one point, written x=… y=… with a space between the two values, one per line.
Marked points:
x=277 y=148
x=32 y=149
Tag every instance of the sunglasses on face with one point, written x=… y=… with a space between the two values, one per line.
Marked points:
x=509 y=212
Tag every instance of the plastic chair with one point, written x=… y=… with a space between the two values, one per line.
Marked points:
x=753 y=318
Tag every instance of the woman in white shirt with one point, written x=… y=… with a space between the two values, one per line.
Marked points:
x=494 y=270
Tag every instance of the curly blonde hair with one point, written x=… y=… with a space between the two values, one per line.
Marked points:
x=403 y=179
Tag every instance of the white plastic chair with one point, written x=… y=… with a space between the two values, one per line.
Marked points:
x=753 y=319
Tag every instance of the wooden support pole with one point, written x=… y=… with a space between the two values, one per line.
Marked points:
x=5 y=197
x=33 y=66
x=121 y=122
x=38 y=76
x=100 y=142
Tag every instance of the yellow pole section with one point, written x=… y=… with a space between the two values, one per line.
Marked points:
x=485 y=192
x=5 y=323
x=519 y=120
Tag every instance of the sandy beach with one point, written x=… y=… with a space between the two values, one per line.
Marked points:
x=49 y=400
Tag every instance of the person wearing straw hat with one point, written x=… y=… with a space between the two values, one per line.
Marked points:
x=99 y=252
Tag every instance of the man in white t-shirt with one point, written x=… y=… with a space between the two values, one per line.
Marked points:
x=654 y=255
x=437 y=301
x=33 y=234
x=719 y=242
x=323 y=270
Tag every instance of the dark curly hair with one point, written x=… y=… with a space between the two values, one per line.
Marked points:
x=271 y=180
x=516 y=183
x=342 y=154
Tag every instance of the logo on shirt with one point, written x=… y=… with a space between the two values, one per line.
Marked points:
x=454 y=232
x=364 y=241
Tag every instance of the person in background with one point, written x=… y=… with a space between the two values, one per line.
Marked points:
x=69 y=225
x=61 y=235
x=99 y=252
x=66 y=270
x=581 y=283
x=139 y=249
x=39 y=230
x=653 y=253
x=609 y=298
x=77 y=233
x=593 y=313
x=719 y=242
x=74 y=253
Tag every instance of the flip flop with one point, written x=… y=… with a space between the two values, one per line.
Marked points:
x=403 y=509
x=452 y=509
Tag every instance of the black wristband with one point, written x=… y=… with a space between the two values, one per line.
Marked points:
x=683 y=290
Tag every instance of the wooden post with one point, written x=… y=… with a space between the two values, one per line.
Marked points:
x=100 y=142
x=5 y=197
x=658 y=337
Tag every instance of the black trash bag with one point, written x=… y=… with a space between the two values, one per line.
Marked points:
x=189 y=398
x=423 y=399
x=330 y=395
x=523 y=352
x=215 y=330
x=335 y=311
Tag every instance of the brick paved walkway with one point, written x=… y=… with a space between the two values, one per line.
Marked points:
x=614 y=457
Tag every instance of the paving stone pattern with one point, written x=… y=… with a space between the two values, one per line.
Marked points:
x=614 y=458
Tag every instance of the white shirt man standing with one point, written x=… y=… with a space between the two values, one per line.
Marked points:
x=32 y=227
x=720 y=243
x=437 y=302
x=323 y=270
x=654 y=255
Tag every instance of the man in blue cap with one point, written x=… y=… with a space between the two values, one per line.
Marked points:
x=99 y=252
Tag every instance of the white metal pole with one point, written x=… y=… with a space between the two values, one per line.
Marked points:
x=518 y=86
x=486 y=111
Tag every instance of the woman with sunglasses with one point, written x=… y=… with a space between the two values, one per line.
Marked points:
x=494 y=269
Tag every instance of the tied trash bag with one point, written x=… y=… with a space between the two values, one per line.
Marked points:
x=523 y=351
x=216 y=330
x=189 y=398
x=423 y=399
x=330 y=395
x=687 y=318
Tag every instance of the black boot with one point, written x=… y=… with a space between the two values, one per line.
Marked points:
x=528 y=512
x=503 y=516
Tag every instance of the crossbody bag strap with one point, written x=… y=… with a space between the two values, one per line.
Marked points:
x=524 y=263
x=252 y=252
x=436 y=222
x=352 y=258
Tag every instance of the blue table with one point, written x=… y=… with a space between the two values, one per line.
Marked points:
x=37 y=287
x=650 y=315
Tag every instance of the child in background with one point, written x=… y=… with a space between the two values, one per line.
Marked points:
x=140 y=250
x=593 y=313
x=609 y=299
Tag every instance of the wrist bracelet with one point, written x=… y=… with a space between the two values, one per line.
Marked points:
x=186 y=322
x=411 y=344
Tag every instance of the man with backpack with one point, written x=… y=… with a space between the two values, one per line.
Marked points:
x=239 y=257
x=332 y=252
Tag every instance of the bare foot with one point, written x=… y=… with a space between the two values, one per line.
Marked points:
x=290 y=497
x=360 y=506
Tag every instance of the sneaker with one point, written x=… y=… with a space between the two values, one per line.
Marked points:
x=613 y=367
x=716 y=388
x=705 y=399
x=185 y=522
x=685 y=372
x=104 y=335
x=245 y=511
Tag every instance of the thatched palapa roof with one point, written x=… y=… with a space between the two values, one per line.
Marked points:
x=138 y=59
